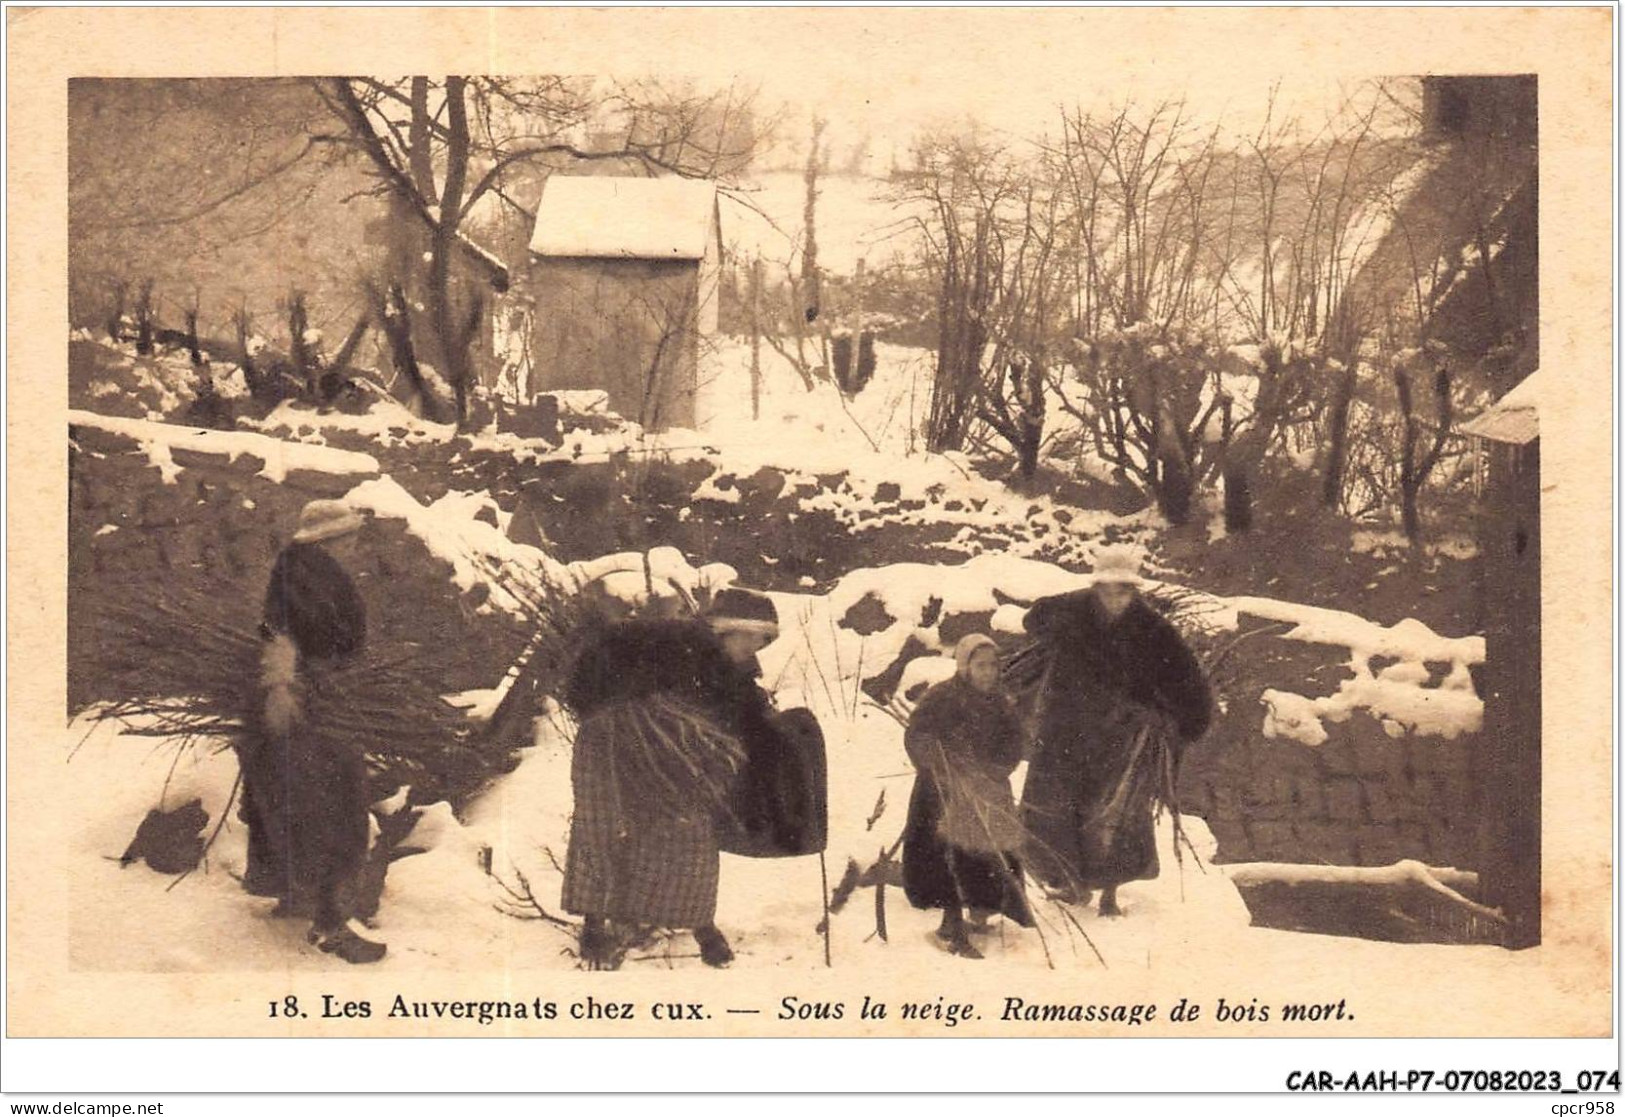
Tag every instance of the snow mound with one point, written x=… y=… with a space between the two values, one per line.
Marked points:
x=385 y=421
x=159 y=440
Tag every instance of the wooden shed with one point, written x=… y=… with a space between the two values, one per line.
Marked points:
x=1508 y=764
x=623 y=273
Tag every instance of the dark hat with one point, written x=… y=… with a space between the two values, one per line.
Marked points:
x=737 y=610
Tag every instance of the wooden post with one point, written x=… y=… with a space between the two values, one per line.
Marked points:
x=756 y=338
x=1507 y=767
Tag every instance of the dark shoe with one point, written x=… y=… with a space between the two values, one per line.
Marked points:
x=264 y=883
x=956 y=941
x=714 y=949
x=1108 y=904
x=1021 y=914
x=348 y=945
x=599 y=949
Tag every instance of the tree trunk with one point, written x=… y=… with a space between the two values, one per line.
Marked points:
x=1407 y=455
x=1337 y=449
x=251 y=372
x=1410 y=519
x=1174 y=488
x=352 y=342
x=115 y=318
x=453 y=342
x=866 y=359
x=1176 y=480
x=1238 y=497
x=1243 y=455
x=1029 y=385
x=143 y=319
x=298 y=322
x=191 y=339
x=841 y=362
x=810 y=282
x=395 y=319
x=420 y=155
x=1027 y=453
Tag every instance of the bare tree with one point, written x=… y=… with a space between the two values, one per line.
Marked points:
x=1416 y=463
x=969 y=190
x=1143 y=380
x=1149 y=402
x=393 y=314
x=1025 y=328
x=1189 y=244
x=810 y=282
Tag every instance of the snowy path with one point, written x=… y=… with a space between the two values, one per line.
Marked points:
x=440 y=908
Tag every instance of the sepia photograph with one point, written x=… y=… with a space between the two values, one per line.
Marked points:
x=738 y=553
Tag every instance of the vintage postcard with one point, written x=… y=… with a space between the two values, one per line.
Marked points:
x=811 y=523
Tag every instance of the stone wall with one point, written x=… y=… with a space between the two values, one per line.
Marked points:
x=1365 y=796
x=221 y=523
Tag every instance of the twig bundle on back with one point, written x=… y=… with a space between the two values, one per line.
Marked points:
x=179 y=660
x=559 y=619
x=184 y=661
x=664 y=751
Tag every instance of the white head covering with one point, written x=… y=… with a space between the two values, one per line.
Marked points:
x=326 y=519
x=968 y=647
x=1118 y=563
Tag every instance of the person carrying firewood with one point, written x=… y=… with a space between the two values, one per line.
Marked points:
x=304 y=794
x=663 y=706
x=1122 y=697
x=963 y=833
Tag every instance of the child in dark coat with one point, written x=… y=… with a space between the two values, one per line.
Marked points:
x=963 y=829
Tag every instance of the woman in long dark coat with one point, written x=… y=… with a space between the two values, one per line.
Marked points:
x=663 y=706
x=1123 y=693
x=959 y=844
x=304 y=792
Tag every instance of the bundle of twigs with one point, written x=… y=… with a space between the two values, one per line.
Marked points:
x=663 y=751
x=180 y=660
x=391 y=708
x=560 y=620
x=183 y=662
x=1147 y=782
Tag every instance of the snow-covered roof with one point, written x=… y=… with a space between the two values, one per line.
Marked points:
x=1514 y=418
x=633 y=218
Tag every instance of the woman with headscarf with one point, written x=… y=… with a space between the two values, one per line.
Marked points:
x=1122 y=698
x=664 y=707
x=963 y=831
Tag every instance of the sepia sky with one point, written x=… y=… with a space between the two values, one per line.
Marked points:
x=890 y=72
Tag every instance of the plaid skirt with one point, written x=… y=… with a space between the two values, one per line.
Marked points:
x=636 y=854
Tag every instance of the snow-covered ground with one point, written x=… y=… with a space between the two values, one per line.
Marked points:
x=442 y=910
x=453 y=905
